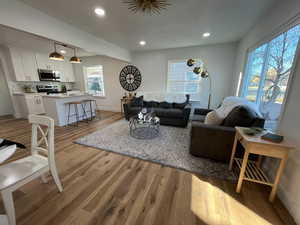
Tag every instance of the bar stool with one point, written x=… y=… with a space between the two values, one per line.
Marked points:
x=76 y=114
x=90 y=102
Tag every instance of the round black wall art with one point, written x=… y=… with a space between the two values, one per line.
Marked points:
x=130 y=78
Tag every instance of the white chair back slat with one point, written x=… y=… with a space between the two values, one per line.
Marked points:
x=47 y=136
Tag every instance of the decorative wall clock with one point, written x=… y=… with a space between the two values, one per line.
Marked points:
x=130 y=78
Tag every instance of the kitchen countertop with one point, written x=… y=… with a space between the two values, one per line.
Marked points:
x=59 y=95
x=65 y=95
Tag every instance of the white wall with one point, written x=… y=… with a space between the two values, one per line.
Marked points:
x=219 y=60
x=8 y=71
x=111 y=71
x=282 y=12
x=20 y=16
x=5 y=101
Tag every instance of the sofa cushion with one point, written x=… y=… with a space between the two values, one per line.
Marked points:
x=241 y=116
x=171 y=113
x=165 y=105
x=199 y=118
x=137 y=102
x=179 y=105
x=151 y=104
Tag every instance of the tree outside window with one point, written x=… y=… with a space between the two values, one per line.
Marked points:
x=268 y=72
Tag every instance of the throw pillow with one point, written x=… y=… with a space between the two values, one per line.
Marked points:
x=241 y=116
x=212 y=118
x=137 y=102
x=165 y=105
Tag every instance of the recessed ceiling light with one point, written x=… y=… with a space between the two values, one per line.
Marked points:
x=206 y=34
x=100 y=12
x=142 y=43
x=63 y=51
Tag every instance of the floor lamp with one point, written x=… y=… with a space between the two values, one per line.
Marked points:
x=201 y=71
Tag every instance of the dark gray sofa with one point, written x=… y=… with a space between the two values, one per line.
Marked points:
x=173 y=114
x=216 y=141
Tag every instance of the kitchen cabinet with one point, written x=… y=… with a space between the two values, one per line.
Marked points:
x=29 y=65
x=43 y=62
x=17 y=64
x=30 y=104
x=67 y=72
x=24 y=64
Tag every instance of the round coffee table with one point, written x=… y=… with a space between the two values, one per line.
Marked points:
x=144 y=129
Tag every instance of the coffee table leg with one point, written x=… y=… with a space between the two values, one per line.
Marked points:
x=242 y=172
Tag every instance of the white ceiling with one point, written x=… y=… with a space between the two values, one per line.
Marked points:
x=10 y=36
x=181 y=25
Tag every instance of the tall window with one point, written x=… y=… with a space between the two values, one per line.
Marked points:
x=94 y=80
x=267 y=74
x=181 y=79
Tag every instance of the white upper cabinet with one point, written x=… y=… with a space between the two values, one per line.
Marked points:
x=30 y=65
x=68 y=73
x=24 y=64
x=17 y=64
x=44 y=62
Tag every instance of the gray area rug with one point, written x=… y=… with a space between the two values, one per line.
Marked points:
x=171 y=149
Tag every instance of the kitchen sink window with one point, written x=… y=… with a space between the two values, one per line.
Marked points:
x=94 y=80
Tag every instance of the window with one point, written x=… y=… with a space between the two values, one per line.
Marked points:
x=182 y=79
x=94 y=80
x=267 y=74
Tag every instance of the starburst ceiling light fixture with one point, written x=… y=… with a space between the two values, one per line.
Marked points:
x=147 y=6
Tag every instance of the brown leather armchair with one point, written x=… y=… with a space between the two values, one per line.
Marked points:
x=215 y=141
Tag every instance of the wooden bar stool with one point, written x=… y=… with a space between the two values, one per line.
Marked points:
x=76 y=114
x=90 y=103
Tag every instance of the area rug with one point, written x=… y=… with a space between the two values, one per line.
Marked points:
x=170 y=148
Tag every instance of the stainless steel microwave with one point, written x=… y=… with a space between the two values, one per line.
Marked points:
x=49 y=75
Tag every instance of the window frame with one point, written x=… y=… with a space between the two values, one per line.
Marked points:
x=86 y=80
x=284 y=28
x=183 y=81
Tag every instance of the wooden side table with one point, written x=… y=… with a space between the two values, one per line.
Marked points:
x=250 y=170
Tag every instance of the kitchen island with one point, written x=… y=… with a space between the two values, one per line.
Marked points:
x=57 y=108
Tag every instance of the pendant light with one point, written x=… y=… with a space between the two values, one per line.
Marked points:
x=75 y=59
x=55 y=55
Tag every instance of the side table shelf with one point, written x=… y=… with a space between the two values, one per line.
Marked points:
x=252 y=172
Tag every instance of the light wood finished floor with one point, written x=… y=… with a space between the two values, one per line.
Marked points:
x=102 y=188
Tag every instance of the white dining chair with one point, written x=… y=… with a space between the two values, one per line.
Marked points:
x=17 y=173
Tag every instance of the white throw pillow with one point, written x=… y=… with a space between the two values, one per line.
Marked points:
x=212 y=118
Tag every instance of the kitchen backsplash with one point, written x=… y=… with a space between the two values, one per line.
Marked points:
x=19 y=86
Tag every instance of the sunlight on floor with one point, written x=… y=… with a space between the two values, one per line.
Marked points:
x=213 y=206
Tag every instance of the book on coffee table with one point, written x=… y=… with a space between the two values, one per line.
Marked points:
x=272 y=137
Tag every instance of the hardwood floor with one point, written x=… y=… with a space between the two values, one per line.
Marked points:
x=102 y=188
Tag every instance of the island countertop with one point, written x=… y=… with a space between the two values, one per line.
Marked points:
x=66 y=95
